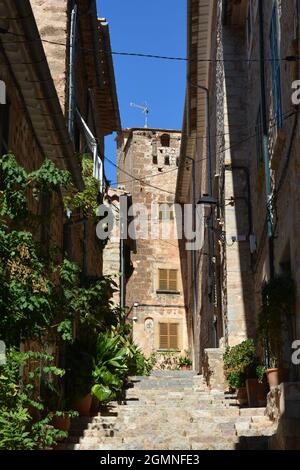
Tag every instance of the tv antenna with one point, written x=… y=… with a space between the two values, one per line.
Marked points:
x=145 y=110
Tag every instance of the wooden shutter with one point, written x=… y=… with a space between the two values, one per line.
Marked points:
x=163 y=279
x=173 y=335
x=173 y=279
x=163 y=336
x=168 y=336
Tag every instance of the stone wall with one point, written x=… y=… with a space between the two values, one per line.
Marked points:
x=283 y=148
x=53 y=24
x=141 y=154
x=284 y=408
x=22 y=142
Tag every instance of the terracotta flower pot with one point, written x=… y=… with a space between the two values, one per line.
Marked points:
x=186 y=367
x=256 y=393
x=242 y=396
x=94 y=406
x=277 y=376
x=63 y=423
x=83 y=406
x=252 y=392
x=262 y=392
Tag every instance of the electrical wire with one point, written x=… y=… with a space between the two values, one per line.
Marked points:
x=143 y=55
x=188 y=165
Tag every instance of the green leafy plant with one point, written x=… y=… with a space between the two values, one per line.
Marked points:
x=260 y=372
x=16 y=183
x=86 y=200
x=23 y=422
x=184 y=361
x=278 y=304
x=240 y=363
x=117 y=357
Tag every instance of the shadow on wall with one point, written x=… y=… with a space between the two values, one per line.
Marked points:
x=238 y=210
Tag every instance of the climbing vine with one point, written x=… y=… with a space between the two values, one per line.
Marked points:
x=39 y=296
x=88 y=199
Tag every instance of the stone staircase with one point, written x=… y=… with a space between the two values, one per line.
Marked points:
x=172 y=410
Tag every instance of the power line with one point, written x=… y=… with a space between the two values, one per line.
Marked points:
x=137 y=179
x=290 y=58
x=188 y=165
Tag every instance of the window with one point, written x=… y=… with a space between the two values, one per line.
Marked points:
x=166 y=211
x=168 y=336
x=165 y=140
x=4 y=127
x=167 y=280
x=275 y=63
x=259 y=137
x=154 y=160
x=167 y=160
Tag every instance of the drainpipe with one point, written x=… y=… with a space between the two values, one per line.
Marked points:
x=73 y=32
x=193 y=253
x=123 y=232
x=265 y=138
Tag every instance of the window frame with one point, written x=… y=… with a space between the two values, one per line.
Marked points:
x=167 y=289
x=168 y=336
x=165 y=140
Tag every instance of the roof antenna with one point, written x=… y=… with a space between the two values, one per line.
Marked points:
x=145 y=110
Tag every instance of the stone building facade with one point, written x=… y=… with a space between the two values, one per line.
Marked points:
x=147 y=161
x=237 y=51
x=35 y=121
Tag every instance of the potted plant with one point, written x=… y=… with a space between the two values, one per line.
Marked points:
x=239 y=365
x=262 y=386
x=185 y=362
x=57 y=405
x=278 y=303
x=256 y=386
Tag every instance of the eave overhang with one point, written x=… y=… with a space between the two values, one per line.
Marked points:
x=24 y=54
x=194 y=123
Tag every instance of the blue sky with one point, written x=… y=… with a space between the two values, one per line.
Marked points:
x=155 y=27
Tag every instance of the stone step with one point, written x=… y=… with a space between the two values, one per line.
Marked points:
x=172 y=410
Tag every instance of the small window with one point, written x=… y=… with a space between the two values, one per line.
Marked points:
x=165 y=140
x=168 y=336
x=166 y=211
x=154 y=160
x=167 y=160
x=167 y=280
x=177 y=161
